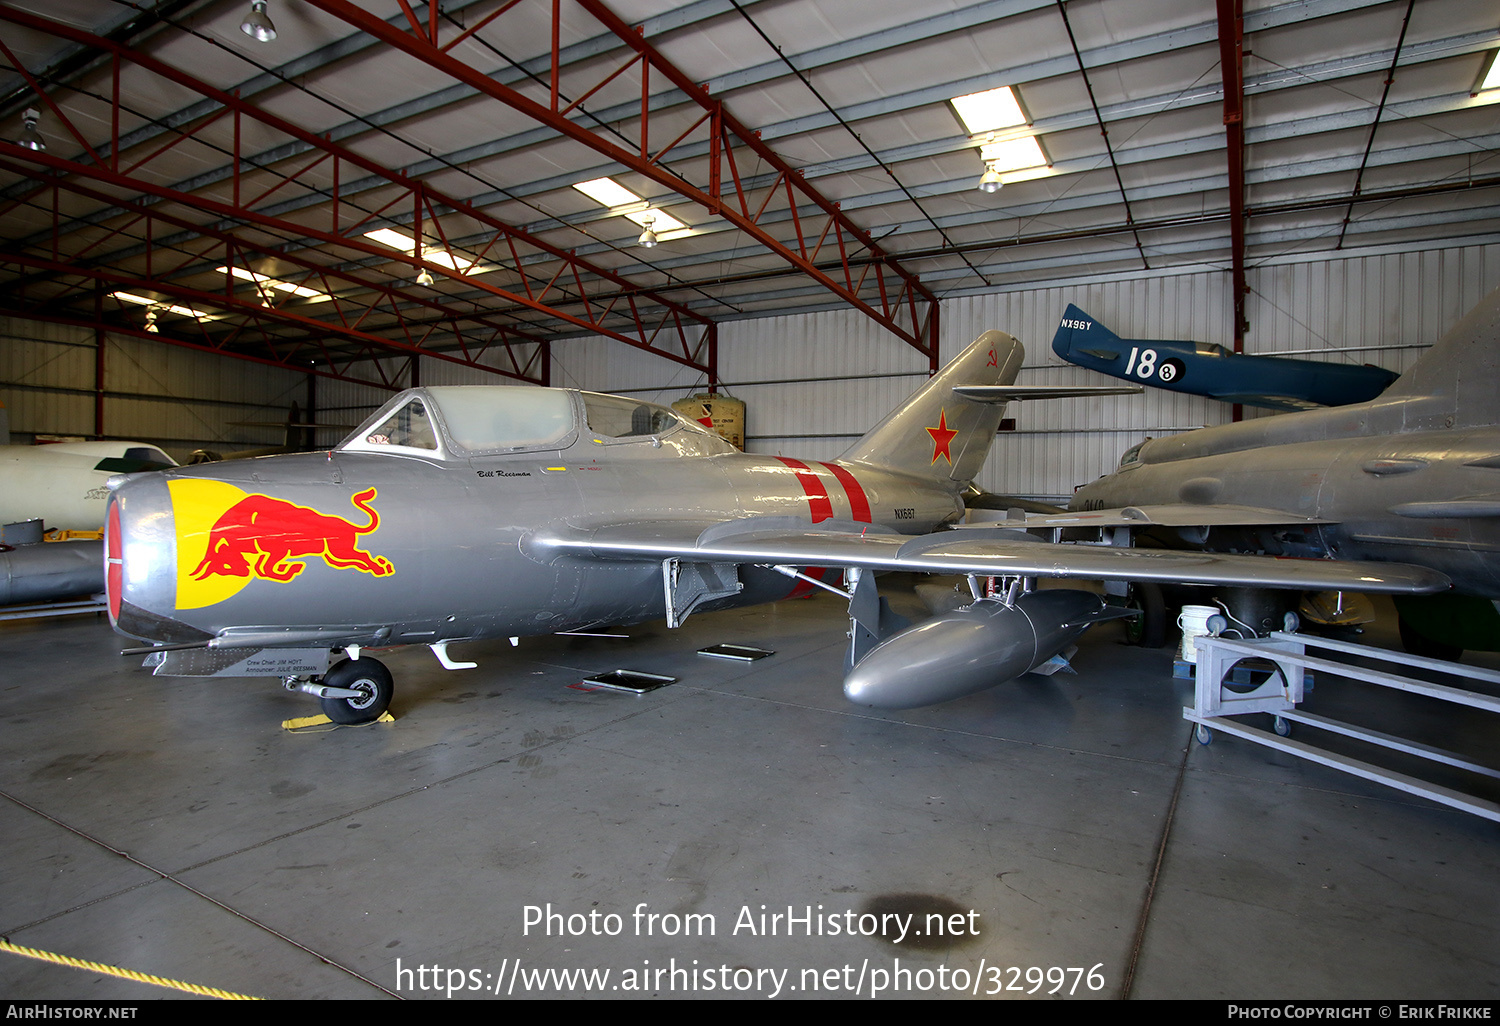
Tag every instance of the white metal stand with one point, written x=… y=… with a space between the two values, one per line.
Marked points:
x=1218 y=698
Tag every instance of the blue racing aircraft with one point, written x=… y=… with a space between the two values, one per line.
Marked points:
x=1202 y=368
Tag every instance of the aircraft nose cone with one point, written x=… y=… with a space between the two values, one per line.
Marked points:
x=140 y=561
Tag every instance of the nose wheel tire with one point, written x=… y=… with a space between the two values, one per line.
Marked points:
x=367 y=676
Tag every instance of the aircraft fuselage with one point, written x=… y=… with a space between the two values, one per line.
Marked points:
x=440 y=542
x=1389 y=487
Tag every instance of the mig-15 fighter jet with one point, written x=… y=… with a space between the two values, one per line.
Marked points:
x=466 y=512
x=1410 y=476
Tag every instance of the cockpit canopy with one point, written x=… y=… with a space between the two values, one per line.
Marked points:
x=458 y=421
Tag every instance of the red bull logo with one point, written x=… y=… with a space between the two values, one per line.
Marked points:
x=267 y=537
x=261 y=537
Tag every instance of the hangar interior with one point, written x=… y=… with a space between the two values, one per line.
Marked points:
x=203 y=228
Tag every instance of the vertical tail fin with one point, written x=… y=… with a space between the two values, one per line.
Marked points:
x=1458 y=374
x=1077 y=331
x=938 y=433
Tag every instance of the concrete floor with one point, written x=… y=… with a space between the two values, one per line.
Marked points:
x=172 y=827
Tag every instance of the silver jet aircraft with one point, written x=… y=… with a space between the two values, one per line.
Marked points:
x=461 y=513
x=1411 y=476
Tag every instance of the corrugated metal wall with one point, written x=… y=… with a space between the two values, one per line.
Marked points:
x=814 y=382
x=178 y=398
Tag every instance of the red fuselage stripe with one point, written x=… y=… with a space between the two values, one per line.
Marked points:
x=859 y=502
x=818 y=503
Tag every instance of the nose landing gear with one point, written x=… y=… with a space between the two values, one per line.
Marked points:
x=353 y=691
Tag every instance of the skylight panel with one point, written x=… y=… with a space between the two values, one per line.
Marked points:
x=181 y=311
x=265 y=281
x=608 y=192
x=457 y=260
x=1491 y=78
x=661 y=222
x=990 y=111
x=1014 y=154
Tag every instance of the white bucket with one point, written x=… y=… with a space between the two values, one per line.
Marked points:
x=1194 y=624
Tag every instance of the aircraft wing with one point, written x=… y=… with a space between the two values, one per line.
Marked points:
x=996 y=552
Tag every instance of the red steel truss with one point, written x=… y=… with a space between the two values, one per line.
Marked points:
x=370 y=313
x=865 y=277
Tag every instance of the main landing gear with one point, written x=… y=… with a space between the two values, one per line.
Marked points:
x=352 y=691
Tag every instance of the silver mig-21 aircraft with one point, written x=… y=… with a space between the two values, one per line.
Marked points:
x=1411 y=476
x=468 y=512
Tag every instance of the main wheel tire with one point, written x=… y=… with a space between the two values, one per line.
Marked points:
x=1149 y=630
x=365 y=675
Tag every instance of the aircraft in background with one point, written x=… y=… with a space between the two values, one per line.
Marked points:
x=1201 y=368
x=1412 y=476
x=458 y=513
x=60 y=486
x=300 y=437
x=64 y=483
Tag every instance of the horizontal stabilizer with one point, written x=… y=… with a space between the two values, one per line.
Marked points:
x=1180 y=515
x=1015 y=393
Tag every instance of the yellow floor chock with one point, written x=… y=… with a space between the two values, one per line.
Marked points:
x=124 y=974
x=303 y=724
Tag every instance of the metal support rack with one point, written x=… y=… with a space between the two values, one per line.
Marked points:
x=1218 y=697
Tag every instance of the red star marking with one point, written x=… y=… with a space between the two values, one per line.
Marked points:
x=942 y=437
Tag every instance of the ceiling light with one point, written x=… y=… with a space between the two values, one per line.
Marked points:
x=648 y=237
x=424 y=277
x=30 y=137
x=1013 y=154
x=608 y=192
x=257 y=24
x=990 y=180
x=989 y=111
x=151 y=320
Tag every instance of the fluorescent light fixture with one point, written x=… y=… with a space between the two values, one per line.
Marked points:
x=660 y=223
x=608 y=192
x=181 y=311
x=1013 y=154
x=275 y=283
x=463 y=263
x=989 y=111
